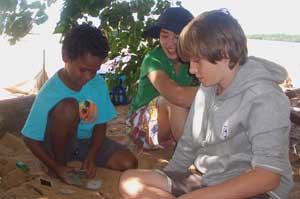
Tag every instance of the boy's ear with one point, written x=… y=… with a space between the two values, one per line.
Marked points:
x=64 y=55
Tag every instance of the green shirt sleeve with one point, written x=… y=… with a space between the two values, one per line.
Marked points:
x=157 y=60
x=152 y=62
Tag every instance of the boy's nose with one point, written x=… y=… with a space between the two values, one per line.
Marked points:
x=174 y=40
x=192 y=68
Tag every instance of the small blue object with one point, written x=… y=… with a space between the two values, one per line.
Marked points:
x=118 y=94
x=21 y=165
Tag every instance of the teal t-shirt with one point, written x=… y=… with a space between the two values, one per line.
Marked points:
x=94 y=105
x=158 y=60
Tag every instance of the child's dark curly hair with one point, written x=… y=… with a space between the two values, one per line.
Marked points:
x=85 y=39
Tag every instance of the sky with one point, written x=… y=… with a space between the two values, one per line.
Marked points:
x=255 y=16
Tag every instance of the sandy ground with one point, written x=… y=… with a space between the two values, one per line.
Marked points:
x=15 y=184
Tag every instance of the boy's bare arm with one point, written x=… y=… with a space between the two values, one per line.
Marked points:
x=252 y=183
x=38 y=150
x=182 y=96
x=99 y=134
x=89 y=164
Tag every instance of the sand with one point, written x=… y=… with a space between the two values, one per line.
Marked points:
x=15 y=184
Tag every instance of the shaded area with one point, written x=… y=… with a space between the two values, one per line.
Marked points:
x=13 y=113
x=14 y=183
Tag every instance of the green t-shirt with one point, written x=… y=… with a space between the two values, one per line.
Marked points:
x=158 y=60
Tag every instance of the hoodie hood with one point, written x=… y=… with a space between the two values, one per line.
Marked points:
x=255 y=71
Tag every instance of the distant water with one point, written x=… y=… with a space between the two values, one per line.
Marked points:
x=283 y=53
x=23 y=61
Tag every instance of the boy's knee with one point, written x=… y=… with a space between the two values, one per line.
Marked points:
x=163 y=103
x=126 y=175
x=130 y=163
x=68 y=109
x=128 y=184
x=63 y=120
x=122 y=160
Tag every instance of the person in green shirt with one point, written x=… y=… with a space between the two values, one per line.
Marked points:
x=166 y=88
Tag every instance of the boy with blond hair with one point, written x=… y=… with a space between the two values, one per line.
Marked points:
x=237 y=131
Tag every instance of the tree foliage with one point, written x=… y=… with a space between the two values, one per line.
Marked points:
x=18 y=16
x=123 y=22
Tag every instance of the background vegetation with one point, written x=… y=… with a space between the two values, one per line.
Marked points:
x=276 y=37
x=123 y=21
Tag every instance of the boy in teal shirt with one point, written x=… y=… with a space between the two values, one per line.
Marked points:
x=68 y=118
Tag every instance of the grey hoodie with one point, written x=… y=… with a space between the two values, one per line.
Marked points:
x=247 y=126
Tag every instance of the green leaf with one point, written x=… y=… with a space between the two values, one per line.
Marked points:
x=40 y=13
x=124 y=22
x=8 y=5
x=35 y=5
x=41 y=19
